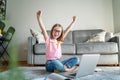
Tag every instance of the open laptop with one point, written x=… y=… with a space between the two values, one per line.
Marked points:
x=87 y=66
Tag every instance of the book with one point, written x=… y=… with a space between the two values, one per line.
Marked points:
x=39 y=78
x=53 y=76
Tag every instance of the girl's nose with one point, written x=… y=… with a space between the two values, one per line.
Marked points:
x=56 y=33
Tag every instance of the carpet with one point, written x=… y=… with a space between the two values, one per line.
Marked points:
x=31 y=73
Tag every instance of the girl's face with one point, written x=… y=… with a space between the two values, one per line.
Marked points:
x=56 y=32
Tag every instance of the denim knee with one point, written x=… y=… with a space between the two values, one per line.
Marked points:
x=49 y=66
x=59 y=66
x=72 y=62
x=52 y=65
x=77 y=59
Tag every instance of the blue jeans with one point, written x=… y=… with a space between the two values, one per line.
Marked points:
x=56 y=64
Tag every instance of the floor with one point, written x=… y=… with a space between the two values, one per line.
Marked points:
x=38 y=72
x=5 y=66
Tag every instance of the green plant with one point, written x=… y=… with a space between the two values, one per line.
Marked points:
x=14 y=73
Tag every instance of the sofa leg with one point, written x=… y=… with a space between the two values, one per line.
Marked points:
x=118 y=64
x=115 y=64
x=31 y=65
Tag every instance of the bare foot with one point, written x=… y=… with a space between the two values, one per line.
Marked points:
x=56 y=71
x=71 y=69
x=75 y=68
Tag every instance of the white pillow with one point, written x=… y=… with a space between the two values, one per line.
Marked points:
x=117 y=34
x=109 y=35
x=100 y=37
x=37 y=35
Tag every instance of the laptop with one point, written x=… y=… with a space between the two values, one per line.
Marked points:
x=86 y=67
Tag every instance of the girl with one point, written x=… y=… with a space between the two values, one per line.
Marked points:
x=53 y=47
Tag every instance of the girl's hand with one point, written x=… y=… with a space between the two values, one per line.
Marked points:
x=39 y=13
x=74 y=18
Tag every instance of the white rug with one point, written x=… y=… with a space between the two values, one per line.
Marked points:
x=31 y=73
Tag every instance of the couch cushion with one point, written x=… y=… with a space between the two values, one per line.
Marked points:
x=68 y=49
x=97 y=47
x=68 y=39
x=39 y=59
x=39 y=48
x=80 y=36
x=104 y=59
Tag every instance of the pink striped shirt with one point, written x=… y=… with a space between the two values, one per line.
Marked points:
x=53 y=49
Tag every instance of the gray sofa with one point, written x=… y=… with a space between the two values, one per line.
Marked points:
x=75 y=45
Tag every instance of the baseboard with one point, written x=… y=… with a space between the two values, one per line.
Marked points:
x=24 y=63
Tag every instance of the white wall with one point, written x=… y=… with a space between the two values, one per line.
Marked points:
x=116 y=14
x=91 y=14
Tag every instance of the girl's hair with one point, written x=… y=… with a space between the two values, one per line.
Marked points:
x=62 y=33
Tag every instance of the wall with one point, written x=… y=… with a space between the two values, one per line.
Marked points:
x=91 y=14
x=116 y=14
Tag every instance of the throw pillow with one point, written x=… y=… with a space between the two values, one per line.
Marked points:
x=37 y=35
x=108 y=36
x=100 y=37
x=117 y=34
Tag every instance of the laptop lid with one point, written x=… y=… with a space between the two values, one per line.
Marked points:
x=87 y=64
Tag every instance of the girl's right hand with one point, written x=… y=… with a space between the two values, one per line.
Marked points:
x=74 y=18
x=39 y=13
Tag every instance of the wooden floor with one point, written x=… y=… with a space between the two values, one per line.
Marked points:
x=5 y=66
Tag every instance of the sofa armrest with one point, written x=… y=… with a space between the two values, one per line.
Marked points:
x=114 y=39
x=117 y=40
x=31 y=42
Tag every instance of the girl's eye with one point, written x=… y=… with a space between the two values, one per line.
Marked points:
x=57 y=31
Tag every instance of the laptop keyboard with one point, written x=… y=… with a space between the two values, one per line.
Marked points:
x=73 y=74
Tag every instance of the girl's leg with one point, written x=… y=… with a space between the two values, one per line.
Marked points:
x=54 y=65
x=71 y=62
x=66 y=65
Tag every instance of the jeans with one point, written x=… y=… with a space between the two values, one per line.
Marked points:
x=58 y=65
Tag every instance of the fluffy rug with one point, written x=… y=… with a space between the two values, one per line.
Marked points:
x=32 y=73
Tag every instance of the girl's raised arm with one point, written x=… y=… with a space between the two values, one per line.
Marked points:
x=69 y=27
x=42 y=27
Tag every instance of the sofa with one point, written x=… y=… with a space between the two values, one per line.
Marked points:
x=77 y=43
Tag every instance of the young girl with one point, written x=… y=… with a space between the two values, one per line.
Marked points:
x=53 y=47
